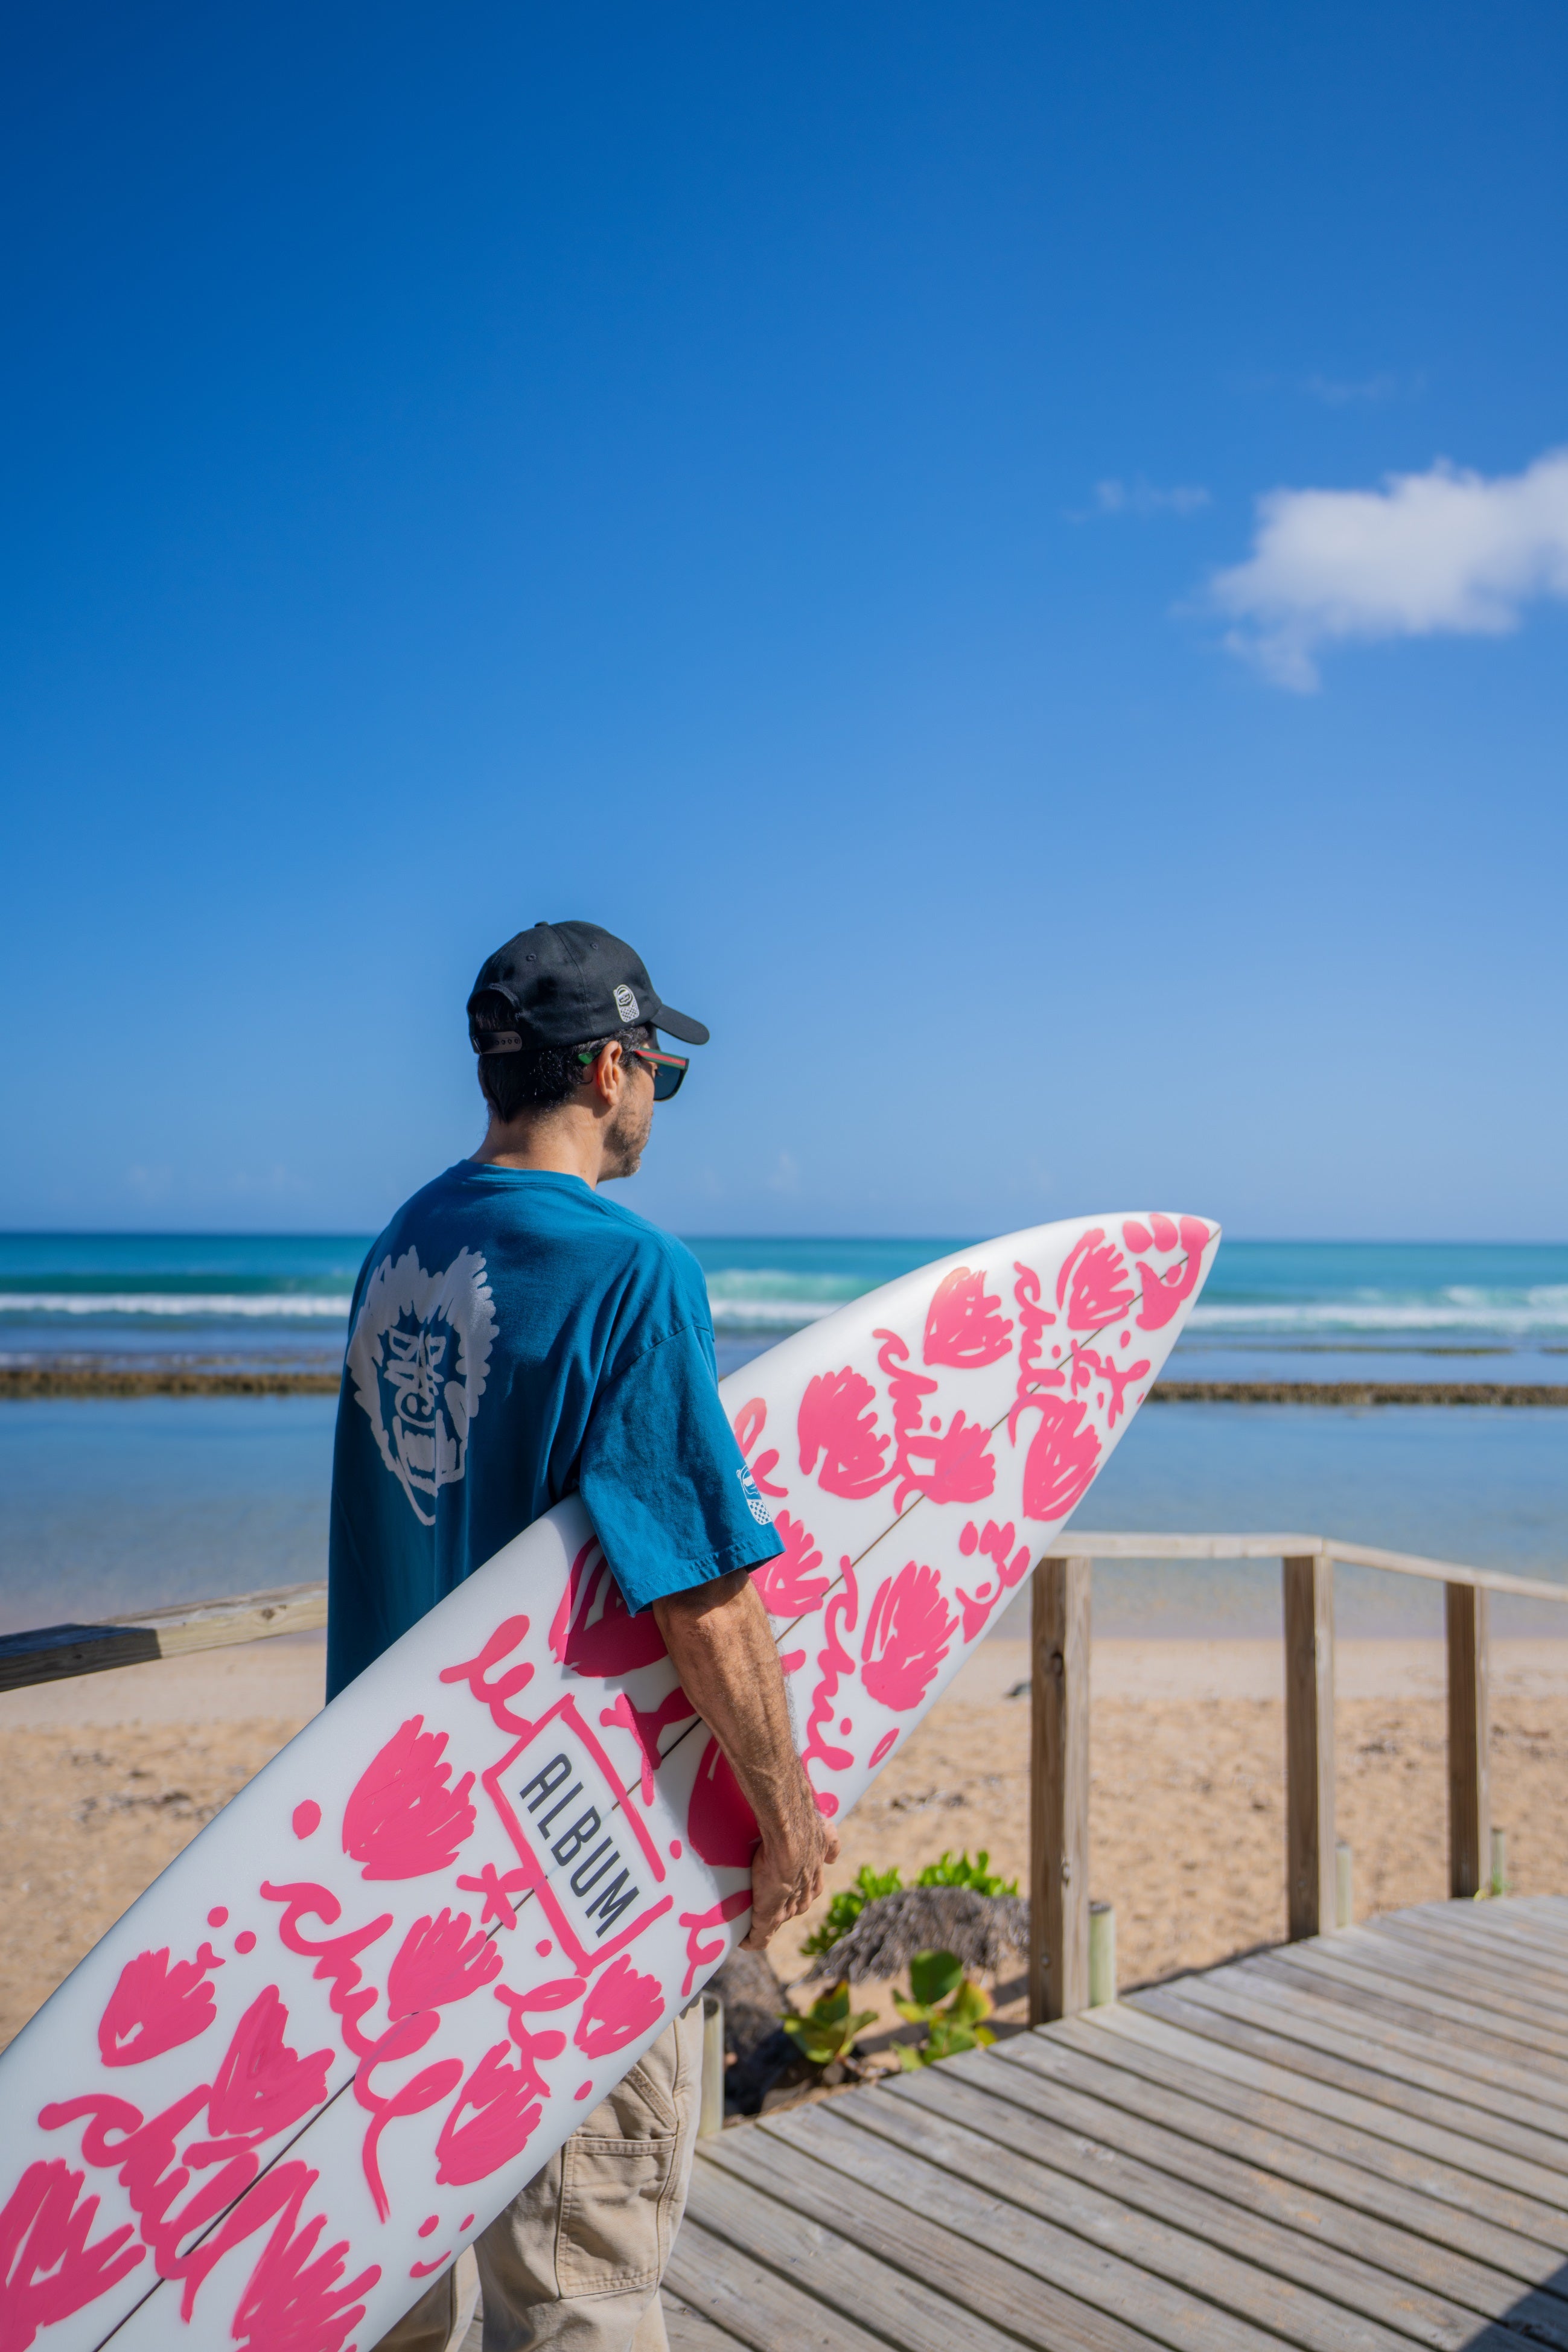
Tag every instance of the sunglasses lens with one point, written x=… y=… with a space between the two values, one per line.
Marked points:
x=667 y=1077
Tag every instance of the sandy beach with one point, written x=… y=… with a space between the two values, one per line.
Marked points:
x=110 y=1775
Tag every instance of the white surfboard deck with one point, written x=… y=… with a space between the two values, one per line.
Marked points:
x=366 y=2005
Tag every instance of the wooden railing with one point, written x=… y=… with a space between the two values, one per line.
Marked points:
x=1058 y=1779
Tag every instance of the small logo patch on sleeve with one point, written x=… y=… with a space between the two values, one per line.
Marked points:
x=754 y=1503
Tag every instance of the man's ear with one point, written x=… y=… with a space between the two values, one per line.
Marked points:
x=608 y=1075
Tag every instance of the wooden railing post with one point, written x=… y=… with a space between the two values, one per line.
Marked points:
x=1059 y=1792
x=1469 y=1732
x=1309 y=1746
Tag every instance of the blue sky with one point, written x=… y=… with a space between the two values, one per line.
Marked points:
x=784 y=484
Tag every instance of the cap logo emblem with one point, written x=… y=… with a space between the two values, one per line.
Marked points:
x=626 y=1002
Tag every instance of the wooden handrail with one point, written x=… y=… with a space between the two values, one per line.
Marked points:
x=1272 y=1547
x=49 y=1653
x=1058 y=1793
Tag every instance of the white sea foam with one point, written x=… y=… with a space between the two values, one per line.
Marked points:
x=278 y=1305
x=1545 y=1308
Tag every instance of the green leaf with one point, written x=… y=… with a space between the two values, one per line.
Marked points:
x=934 y=1974
x=911 y=2059
x=947 y=1871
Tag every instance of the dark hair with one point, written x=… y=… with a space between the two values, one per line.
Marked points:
x=543 y=1080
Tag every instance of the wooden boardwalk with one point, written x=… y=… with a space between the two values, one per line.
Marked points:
x=1356 y=2143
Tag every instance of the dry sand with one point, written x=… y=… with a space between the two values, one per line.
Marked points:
x=109 y=1776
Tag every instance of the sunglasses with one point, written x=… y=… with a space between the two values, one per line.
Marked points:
x=667 y=1070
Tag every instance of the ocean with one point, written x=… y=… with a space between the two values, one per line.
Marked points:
x=108 y=1503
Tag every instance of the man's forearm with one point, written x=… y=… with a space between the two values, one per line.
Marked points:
x=721 y=1646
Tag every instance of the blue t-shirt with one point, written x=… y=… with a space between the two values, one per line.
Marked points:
x=515 y=1337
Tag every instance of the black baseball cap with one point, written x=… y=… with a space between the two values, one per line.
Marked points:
x=562 y=984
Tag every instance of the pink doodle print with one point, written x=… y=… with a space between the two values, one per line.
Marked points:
x=263 y=2085
x=498 y=1692
x=964 y=1326
x=496 y=1890
x=621 y=2006
x=155 y=2006
x=697 y=1923
x=833 y=1662
x=995 y=1544
x=594 y=1632
x=749 y=1425
x=336 y=1956
x=837 y=1420
x=1063 y=1456
x=403 y=2039
x=645 y=1724
x=47 y=2268
x=497 y=2113
x=1088 y=1366
x=788 y=1586
x=1165 y=1293
x=439 y=1960
x=906 y=1635
x=293 y=2301
x=721 y=1825
x=1092 y=1283
x=402 y=1820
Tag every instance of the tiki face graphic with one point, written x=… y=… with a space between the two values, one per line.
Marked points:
x=419 y=1356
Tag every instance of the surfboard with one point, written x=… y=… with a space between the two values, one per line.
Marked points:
x=370 y=1999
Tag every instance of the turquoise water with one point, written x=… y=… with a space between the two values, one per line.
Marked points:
x=107 y=1504
x=1272 y=1309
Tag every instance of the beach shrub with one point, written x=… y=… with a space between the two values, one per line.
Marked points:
x=848 y=1904
x=950 y=2006
x=825 y=2034
x=947 y=1871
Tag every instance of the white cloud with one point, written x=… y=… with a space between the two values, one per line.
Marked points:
x=1445 y=551
x=1140 y=497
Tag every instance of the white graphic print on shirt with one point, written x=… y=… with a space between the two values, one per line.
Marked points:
x=418 y=1355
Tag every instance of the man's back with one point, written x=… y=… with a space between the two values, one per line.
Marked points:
x=515 y=1337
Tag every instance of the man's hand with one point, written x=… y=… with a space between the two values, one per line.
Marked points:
x=722 y=1648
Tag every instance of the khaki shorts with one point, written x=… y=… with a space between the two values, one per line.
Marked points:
x=574 y=2261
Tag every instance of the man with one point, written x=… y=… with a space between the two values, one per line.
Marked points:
x=514 y=1337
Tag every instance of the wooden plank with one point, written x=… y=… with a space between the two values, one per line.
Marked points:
x=944 y=2280
x=1517 y=2196
x=1051 y=2226
x=1503 y=1925
x=1495 y=2142
x=1426 y=2000
x=1391 y=1961
x=1455 y=2031
x=688 y=2331
x=1058 y=1791
x=1309 y=1596
x=1327 y=2247
x=1463 y=1933
x=1469 y=1735
x=763 y=2303
x=1509 y=1964
x=1446 y=2208
x=51 y=1653
x=1489 y=2090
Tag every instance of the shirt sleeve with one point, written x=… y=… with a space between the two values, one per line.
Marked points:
x=665 y=1485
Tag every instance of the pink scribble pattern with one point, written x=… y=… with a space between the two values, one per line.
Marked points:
x=403 y=1820
x=1092 y=1284
x=789 y=1585
x=837 y=1420
x=622 y=2006
x=965 y=1325
x=719 y=1824
x=907 y=1633
x=592 y=1632
x=157 y=2005
x=47 y=2266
